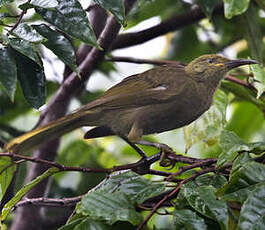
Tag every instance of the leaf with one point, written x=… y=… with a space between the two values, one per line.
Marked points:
x=59 y=45
x=70 y=17
x=10 y=204
x=111 y=207
x=7 y=170
x=231 y=145
x=8 y=72
x=45 y=3
x=253 y=34
x=116 y=7
x=71 y=225
x=3 y=2
x=26 y=48
x=203 y=200
x=209 y=126
x=252 y=215
x=28 y=33
x=208 y=6
x=135 y=186
x=92 y=224
x=32 y=80
x=259 y=75
x=188 y=219
x=251 y=173
x=235 y=7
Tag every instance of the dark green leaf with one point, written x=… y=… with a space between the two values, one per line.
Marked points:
x=116 y=7
x=235 y=7
x=7 y=169
x=231 y=145
x=32 y=80
x=135 y=186
x=3 y=2
x=28 y=33
x=8 y=72
x=69 y=17
x=92 y=224
x=251 y=173
x=242 y=194
x=254 y=34
x=26 y=48
x=208 y=6
x=111 y=207
x=252 y=215
x=188 y=219
x=59 y=45
x=10 y=204
x=203 y=200
x=71 y=225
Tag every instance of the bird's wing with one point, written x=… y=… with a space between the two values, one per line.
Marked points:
x=155 y=86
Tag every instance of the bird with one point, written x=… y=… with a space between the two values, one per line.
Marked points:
x=161 y=99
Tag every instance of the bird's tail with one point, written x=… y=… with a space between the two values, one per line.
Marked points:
x=50 y=131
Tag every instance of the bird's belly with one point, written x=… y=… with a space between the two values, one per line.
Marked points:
x=172 y=117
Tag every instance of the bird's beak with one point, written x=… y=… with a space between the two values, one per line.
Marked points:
x=235 y=63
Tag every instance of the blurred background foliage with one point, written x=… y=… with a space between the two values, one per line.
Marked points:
x=237 y=32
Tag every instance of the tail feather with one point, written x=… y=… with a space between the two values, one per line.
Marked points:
x=50 y=131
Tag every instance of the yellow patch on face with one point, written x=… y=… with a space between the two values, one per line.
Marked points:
x=220 y=65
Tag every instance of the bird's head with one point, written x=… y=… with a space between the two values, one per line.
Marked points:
x=213 y=67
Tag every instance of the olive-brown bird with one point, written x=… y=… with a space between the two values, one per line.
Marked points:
x=158 y=100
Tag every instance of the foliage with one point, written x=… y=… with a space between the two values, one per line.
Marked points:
x=222 y=188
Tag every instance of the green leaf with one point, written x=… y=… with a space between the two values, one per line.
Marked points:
x=45 y=3
x=3 y=2
x=252 y=214
x=26 y=48
x=187 y=219
x=71 y=225
x=254 y=34
x=231 y=145
x=8 y=72
x=251 y=173
x=208 y=6
x=92 y=224
x=135 y=186
x=242 y=194
x=32 y=80
x=111 y=207
x=7 y=169
x=59 y=45
x=10 y=205
x=235 y=7
x=28 y=33
x=209 y=126
x=70 y=17
x=116 y=7
x=259 y=75
x=204 y=201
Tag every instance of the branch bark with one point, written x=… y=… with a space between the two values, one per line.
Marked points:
x=169 y=25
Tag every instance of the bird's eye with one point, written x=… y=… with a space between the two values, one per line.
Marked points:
x=211 y=60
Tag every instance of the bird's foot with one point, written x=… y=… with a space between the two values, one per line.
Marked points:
x=165 y=150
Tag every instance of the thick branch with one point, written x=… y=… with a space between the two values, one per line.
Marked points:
x=169 y=25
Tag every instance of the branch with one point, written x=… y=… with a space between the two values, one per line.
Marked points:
x=169 y=25
x=50 y=202
x=173 y=193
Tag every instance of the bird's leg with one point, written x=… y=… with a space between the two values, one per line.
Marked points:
x=135 y=147
x=165 y=149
